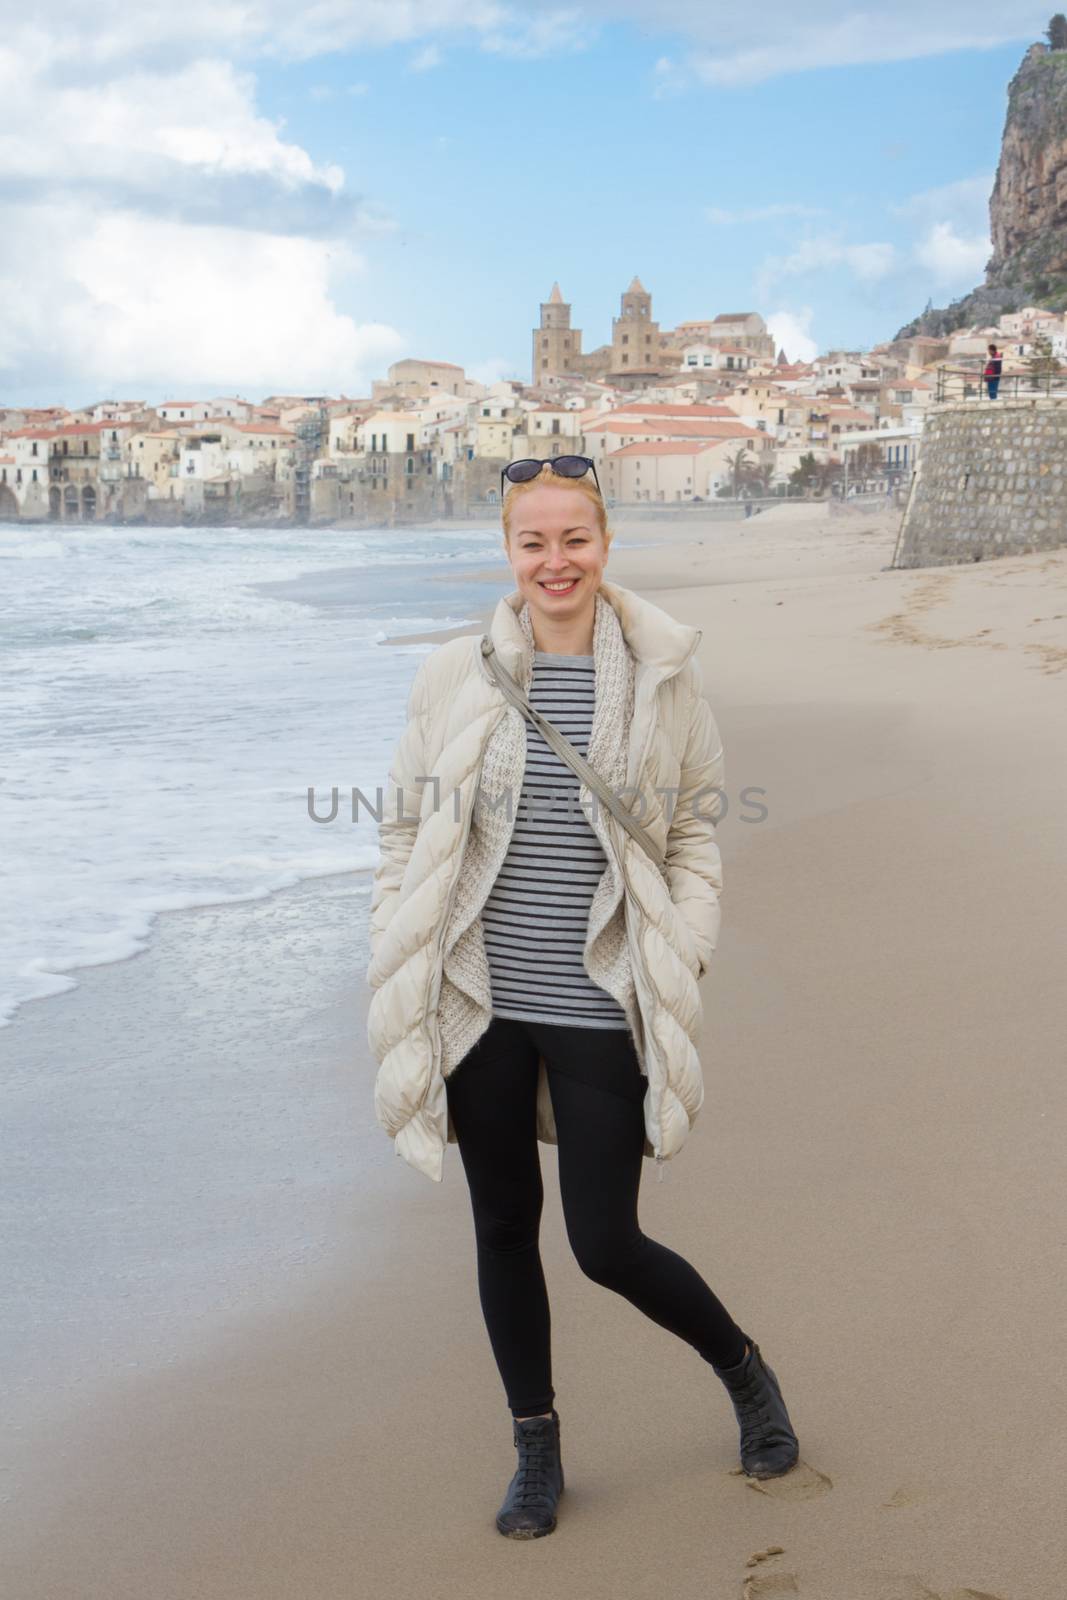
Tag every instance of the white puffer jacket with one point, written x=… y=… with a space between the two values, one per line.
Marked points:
x=428 y=970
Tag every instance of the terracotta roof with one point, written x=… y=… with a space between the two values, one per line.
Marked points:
x=91 y=427
x=666 y=409
x=666 y=447
x=711 y=428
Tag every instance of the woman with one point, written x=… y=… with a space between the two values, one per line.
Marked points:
x=534 y=973
x=992 y=371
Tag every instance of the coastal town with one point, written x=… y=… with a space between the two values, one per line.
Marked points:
x=706 y=411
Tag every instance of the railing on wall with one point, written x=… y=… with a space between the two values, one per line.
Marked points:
x=957 y=383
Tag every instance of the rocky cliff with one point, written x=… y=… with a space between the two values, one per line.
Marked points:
x=1028 y=205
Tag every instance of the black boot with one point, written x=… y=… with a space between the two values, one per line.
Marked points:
x=769 y=1446
x=529 y=1508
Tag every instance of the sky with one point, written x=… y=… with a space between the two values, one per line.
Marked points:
x=248 y=197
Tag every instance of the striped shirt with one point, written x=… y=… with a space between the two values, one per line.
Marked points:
x=536 y=917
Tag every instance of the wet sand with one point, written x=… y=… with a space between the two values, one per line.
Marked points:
x=872 y=1186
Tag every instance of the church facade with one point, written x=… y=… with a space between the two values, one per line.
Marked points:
x=640 y=350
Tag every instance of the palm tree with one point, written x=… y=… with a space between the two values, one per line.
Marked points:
x=738 y=463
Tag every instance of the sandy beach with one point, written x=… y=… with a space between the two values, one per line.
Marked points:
x=873 y=1187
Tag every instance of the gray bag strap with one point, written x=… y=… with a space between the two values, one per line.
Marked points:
x=566 y=752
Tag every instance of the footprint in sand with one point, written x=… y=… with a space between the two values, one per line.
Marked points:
x=971 y=1594
x=909 y=1493
x=899 y=1586
x=769 y=1585
x=800 y=1483
x=905 y=1586
x=896 y=1586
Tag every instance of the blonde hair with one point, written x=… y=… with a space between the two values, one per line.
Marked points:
x=584 y=485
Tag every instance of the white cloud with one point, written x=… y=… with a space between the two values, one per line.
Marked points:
x=730 y=46
x=145 y=124
x=721 y=44
x=965 y=202
x=158 y=229
x=762 y=213
x=953 y=261
x=539 y=34
x=425 y=59
x=954 y=244
x=103 y=39
x=126 y=301
x=867 y=262
x=791 y=331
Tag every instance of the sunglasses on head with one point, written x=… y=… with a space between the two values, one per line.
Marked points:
x=564 y=466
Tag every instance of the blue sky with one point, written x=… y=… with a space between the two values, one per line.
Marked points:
x=242 y=200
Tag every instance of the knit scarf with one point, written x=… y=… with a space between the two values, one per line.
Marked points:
x=465 y=1001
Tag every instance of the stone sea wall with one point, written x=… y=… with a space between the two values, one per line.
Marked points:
x=991 y=480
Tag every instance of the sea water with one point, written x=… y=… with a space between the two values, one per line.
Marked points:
x=167 y=699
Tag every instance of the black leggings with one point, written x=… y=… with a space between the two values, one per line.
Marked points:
x=597 y=1091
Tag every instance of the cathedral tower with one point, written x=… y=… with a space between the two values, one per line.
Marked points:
x=634 y=336
x=556 y=345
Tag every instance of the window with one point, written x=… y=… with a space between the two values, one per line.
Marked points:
x=33 y=448
x=411 y=441
x=34 y=474
x=374 y=441
x=625 y=359
x=410 y=464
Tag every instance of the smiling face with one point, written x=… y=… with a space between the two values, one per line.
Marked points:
x=557 y=552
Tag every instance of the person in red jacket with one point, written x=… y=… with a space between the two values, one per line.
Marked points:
x=991 y=373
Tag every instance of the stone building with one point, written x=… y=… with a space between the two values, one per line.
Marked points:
x=640 y=350
x=635 y=343
x=413 y=379
x=557 y=347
